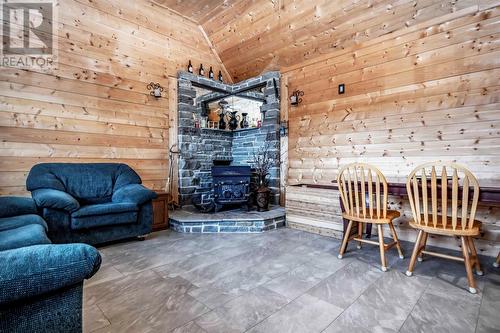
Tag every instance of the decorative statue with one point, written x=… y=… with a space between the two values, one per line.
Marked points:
x=233 y=120
x=222 y=122
x=222 y=115
x=244 y=122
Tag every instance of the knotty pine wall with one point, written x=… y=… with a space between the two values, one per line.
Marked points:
x=422 y=84
x=427 y=92
x=95 y=107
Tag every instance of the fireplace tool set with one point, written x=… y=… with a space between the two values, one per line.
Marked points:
x=171 y=203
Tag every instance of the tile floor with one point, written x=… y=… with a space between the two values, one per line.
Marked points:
x=279 y=281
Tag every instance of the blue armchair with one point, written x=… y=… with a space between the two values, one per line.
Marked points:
x=40 y=283
x=91 y=203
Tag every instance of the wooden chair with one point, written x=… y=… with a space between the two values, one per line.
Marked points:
x=363 y=191
x=497 y=262
x=430 y=194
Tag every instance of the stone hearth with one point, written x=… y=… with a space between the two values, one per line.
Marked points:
x=238 y=220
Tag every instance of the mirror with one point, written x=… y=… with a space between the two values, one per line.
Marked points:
x=222 y=111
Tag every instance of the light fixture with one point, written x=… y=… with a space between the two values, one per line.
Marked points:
x=155 y=89
x=295 y=97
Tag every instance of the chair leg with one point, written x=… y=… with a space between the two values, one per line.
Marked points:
x=423 y=245
x=468 y=266
x=360 y=233
x=414 y=254
x=345 y=240
x=382 y=247
x=475 y=258
x=497 y=262
x=395 y=237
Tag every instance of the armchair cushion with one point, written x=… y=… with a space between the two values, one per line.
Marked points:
x=104 y=209
x=103 y=215
x=13 y=222
x=40 y=269
x=12 y=206
x=27 y=235
x=88 y=183
x=49 y=198
x=133 y=193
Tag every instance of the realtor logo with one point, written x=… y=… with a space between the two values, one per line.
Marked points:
x=28 y=34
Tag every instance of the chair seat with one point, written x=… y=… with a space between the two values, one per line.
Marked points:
x=107 y=214
x=32 y=234
x=448 y=231
x=391 y=215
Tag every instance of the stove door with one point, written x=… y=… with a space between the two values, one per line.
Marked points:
x=231 y=192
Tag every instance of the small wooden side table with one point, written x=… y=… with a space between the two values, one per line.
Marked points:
x=160 y=211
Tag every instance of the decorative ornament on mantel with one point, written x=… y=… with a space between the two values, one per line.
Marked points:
x=155 y=89
x=295 y=97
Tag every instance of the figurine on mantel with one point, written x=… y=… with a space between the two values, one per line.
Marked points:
x=222 y=114
x=233 y=120
x=244 y=121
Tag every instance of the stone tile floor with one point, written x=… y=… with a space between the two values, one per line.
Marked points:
x=280 y=281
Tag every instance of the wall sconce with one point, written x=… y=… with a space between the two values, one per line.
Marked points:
x=295 y=97
x=284 y=128
x=155 y=89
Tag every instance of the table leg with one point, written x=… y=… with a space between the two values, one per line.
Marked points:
x=368 y=230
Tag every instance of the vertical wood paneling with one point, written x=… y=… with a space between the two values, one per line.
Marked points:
x=173 y=182
x=283 y=141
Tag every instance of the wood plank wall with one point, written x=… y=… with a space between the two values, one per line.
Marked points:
x=422 y=84
x=95 y=107
x=429 y=92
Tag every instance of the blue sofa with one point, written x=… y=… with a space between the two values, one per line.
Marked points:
x=91 y=203
x=40 y=283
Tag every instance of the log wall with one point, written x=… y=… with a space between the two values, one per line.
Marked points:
x=95 y=107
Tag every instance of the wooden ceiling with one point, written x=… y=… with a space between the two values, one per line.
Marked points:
x=253 y=36
x=197 y=10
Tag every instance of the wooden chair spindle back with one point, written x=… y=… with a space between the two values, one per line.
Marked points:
x=363 y=191
x=443 y=181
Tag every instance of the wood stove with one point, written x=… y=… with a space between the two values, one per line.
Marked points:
x=231 y=185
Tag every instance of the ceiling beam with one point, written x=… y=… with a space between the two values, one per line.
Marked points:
x=216 y=55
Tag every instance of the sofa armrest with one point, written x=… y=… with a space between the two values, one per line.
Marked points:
x=13 y=206
x=49 y=198
x=35 y=270
x=134 y=193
